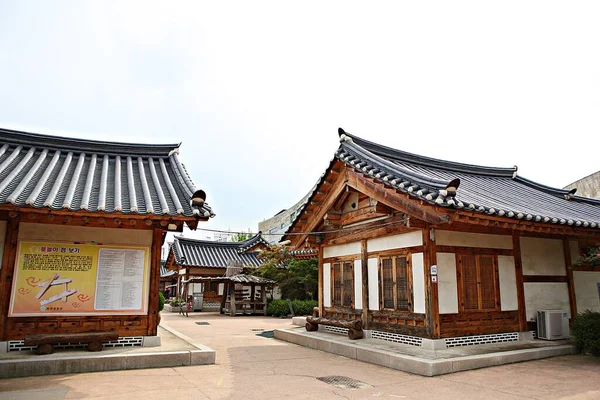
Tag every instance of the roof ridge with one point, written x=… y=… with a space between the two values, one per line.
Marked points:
x=390 y=152
x=63 y=143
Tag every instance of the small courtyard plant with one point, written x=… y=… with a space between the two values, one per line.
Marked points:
x=586 y=332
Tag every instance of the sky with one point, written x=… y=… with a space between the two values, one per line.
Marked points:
x=255 y=91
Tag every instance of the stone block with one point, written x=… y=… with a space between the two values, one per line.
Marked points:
x=300 y=321
x=90 y=364
x=474 y=362
x=526 y=335
x=14 y=369
x=158 y=360
x=151 y=341
x=373 y=356
x=3 y=347
x=431 y=344
x=341 y=349
x=411 y=364
x=202 y=357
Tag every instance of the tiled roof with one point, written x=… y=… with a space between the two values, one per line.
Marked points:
x=204 y=253
x=164 y=272
x=239 y=278
x=486 y=190
x=60 y=173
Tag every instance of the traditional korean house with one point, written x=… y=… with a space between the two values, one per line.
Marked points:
x=82 y=223
x=202 y=258
x=416 y=247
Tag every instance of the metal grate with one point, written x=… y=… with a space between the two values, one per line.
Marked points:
x=19 y=345
x=397 y=338
x=482 y=339
x=344 y=382
x=202 y=323
x=335 y=329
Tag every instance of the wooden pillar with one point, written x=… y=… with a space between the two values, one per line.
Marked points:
x=232 y=300
x=157 y=242
x=432 y=306
x=224 y=300
x=570 y=281
x=321 y=281
x=263 y=295
x=252 y=301
x=364 y=260
x=7 y=270
x=519 y=278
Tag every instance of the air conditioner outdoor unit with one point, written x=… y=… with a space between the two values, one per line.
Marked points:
x=552 y=324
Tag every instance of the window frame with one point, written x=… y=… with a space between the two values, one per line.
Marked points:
x=342 y=264
x=461 y=288
x=409 y=282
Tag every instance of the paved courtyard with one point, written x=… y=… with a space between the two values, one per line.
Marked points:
x=251 y=365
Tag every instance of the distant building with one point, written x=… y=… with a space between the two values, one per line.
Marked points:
x=588 y=186
x=274 y=227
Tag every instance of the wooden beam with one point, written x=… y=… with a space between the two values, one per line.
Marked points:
x=395 y=200
x=544 y=278
x=373 y=229
x=362 y=214
x=321 y=281
x=317 y=218
x=364 y=260
x=432 y=306
x=474 y=250
x=570 y=281
x=9 y=256
x=519 y=278
x=157 y=242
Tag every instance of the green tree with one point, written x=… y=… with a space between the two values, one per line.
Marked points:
x=240 y=237
x=298 y=279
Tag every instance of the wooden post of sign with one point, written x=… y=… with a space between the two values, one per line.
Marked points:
x=321 y=281
x=232 y=300
x=364 y=260
x=224 y=299
x=7 y=270
x=570 y=281
x=263 y=296
x=519 y=278
x=157 y=242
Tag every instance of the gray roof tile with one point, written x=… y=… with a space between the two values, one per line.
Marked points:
x=60 y=173
x=204 y=253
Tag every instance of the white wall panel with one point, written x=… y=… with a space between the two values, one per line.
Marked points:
x=508 y=283
x=545 y=296
x=395 y=241
x=587 y=291
x=358 y=285
x=447 y=288
x=418 y=273
x=373 y=284
x=326 y=285
x=341 y=250
x=542 y=256
x=467 y=239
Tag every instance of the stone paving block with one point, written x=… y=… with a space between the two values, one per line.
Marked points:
x=151 y=341
x=13 y=369
x=338 y=348
x=373 y=356
x=300 y=321
x=474 y=362
x=411 y=364
x=202 y=357
x=92 y=364
x=166 y=359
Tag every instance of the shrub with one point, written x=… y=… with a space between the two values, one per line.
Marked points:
x=586 y=331
x=161 y=301
x=281 y=308
x=278 y=308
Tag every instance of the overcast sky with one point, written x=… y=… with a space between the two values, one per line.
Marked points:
x=255 y=90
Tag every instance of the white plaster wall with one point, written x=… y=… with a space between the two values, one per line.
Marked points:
x=220 y=288
x=508 y=283
x=542 y=256
x=447 y=287
x=326 y=285
x=357 y=285
x=586 y=290
x=545 y=296
x=341 y=250
x=61 y=233
x=373 y=284
x=395 y=241
x=467 y=239
x=418 y=273
x=2 y=238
